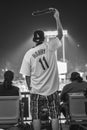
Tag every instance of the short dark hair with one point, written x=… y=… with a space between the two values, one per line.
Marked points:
x=76 y=76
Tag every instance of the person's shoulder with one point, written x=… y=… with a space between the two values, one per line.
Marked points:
x=1 y=85
x=28 y=54
x=30 y=51
x=16 y=88
x=84 y=82
x=0 y=82
x=67 y=85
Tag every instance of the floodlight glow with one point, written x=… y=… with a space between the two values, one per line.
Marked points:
x=55 y=33
x=51 y=33
x=65 y=32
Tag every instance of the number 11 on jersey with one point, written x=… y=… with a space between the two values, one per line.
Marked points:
x=43 y=63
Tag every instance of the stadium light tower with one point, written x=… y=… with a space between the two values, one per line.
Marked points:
x=65 y=34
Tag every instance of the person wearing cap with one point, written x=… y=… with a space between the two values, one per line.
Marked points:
x=39 y=66
x=6 y=87
x=77 y=85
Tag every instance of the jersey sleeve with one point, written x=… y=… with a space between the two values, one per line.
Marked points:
x=25 y=67
x=54 y=44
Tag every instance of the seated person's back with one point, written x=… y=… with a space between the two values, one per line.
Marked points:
x=77 y=85
x=7 y=88
x=13 y=91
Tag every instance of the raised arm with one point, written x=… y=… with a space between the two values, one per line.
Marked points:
x=58 y=23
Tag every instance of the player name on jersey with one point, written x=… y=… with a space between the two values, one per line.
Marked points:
x=39 y=52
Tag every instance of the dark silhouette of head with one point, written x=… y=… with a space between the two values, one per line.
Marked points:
x=38 y=37
x=75 y=76
x=8 y=77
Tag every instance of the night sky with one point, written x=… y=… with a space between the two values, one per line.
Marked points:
x=17 y=25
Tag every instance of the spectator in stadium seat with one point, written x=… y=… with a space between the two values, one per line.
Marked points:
x=6 y=87
x=77 y=85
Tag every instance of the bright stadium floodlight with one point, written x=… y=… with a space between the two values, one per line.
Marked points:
x=55 y=33
x=65 y=32
x=51 y=33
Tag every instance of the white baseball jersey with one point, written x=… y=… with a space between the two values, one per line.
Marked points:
x=40 y=64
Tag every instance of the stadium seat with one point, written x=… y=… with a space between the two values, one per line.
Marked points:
x=78 y=110
x=10 y=111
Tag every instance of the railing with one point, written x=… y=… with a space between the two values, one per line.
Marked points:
x=26 y=101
